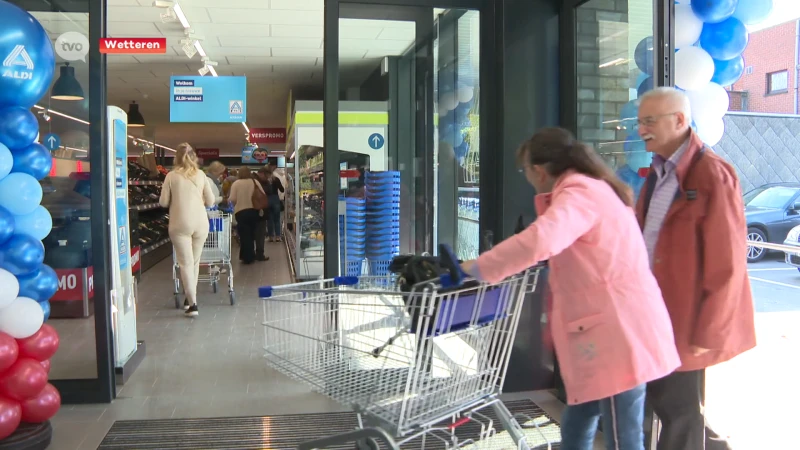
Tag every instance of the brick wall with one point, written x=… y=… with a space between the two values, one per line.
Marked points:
x=769 y=50
x=601 y=91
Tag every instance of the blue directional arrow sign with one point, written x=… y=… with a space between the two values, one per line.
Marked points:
x=376 y=141
x=51 y=141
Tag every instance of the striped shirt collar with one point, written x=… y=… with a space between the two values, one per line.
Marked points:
x=663 y=166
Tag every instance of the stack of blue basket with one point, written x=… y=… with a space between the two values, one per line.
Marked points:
x=353 y=236
x=383 y=219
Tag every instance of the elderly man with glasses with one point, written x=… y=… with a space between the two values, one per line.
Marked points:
x=692 y=216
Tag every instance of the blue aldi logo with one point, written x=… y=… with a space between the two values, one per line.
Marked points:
x=236 y=107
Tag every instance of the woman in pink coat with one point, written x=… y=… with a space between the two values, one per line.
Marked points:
x=611 y=330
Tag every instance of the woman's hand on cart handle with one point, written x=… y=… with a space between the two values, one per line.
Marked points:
x=448 y=260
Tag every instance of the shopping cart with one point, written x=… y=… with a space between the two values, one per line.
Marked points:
x=414 y=365
x=216 y=256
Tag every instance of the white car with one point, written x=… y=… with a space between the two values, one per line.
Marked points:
x=793 y=240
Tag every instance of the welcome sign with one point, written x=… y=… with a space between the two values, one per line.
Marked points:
x=195 y=99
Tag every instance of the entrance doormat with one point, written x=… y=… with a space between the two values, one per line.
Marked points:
x=287 y=431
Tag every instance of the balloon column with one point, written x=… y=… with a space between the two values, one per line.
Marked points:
x=710 y=37
x=456 y=101
x=26 y=284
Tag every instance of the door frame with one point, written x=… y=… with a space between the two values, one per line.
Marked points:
x=490 y=101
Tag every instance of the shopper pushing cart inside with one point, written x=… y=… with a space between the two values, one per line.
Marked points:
x=611 y=329
x=187 y=194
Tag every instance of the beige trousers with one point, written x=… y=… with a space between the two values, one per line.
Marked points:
x=188 y=248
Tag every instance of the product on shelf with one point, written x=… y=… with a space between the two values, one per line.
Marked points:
x=143 y=195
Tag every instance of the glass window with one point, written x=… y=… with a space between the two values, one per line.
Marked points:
x=615 y=64
x=770 y=198
x=778 y=82
x=63 y=113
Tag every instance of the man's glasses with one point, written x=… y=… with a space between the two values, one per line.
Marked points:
x=652 y=120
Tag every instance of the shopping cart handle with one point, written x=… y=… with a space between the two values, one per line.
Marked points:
x=265 y=292
x=448 y=259
x=345 y=281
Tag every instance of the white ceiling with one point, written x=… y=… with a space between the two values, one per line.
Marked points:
x=277 y=44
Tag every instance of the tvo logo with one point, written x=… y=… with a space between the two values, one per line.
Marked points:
x=72 y=46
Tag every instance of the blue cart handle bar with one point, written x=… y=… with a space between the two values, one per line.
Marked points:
x=452 y=279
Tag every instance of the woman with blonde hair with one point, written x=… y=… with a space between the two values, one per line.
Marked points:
x=187 y=194
x=214 y=174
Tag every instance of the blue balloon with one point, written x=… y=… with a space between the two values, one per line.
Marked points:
x=39 y=285
x=647 y=85
x=7 y=225
x=631 y=178
x=21 y=254
x=20 y=193
x=729 y=71
x=18 y=127
x=34 y=160
x=29 y=61
x=462 y=150
x=752 y=12
x=6 y=161
x=639 y=79
x=714 y=11
x=636 y=153
x=36 y=224
x=46 y=309
x=724 y=40
x=643 y=55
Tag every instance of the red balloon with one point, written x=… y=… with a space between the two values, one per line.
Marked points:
x=41 y=346
x=42 y=407
x=46 y=365
x=10 y=417
x=9 y=351
x=24 y=380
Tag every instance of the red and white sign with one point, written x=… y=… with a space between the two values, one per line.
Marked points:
x=71 y=284
x=136 y=259
x=267 y=135
x=207 y=153
x=133 y=46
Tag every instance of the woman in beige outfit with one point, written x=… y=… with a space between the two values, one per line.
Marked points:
x=187 y=194
x=247 y=216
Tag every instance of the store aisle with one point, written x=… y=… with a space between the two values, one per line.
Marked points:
x=209 y=366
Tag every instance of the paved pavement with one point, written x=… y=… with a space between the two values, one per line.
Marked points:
x=752 y=398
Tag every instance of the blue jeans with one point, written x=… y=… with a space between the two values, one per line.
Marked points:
x=622 y=416
x=274 y=217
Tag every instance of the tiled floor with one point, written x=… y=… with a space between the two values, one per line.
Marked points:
x=210 y=366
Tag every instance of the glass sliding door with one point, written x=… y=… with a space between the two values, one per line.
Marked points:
x=405 y=173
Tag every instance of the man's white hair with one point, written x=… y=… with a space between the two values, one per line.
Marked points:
x=667 y=92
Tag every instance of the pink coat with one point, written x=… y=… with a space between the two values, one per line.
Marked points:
x=611 y=329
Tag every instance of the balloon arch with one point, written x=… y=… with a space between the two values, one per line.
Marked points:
x=26 y=284
x=710 y=37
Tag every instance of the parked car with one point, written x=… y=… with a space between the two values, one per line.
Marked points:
x=772 y=210
x=793 y=240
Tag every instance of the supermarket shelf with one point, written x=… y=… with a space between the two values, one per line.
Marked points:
x=146 y=207
x=146 y=250
x=145 y=182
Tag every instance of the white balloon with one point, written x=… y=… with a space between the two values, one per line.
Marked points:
x=710 y=131
x=22 y=319
x=687 y=26
x=448 y=101
x=694 y=68
x=9 y=288
x=465 y=94
x=709 y=103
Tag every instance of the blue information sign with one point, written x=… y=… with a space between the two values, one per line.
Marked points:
x=208 y=99
x=51 y=142
x=376 y=141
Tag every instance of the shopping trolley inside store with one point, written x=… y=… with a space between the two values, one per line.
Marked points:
x=415 y=363
x=215 y=259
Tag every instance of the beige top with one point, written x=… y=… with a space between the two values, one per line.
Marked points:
x=242 y=194
x=187 y=199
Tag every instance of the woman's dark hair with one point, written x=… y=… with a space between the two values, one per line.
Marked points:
x=558 y=151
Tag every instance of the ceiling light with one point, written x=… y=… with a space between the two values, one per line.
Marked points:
x=203 y=71
x=135 y=118
x=44 y=115
x=199 y=49
x=189 y=49
x=208 y=62
x=246 y=128
x=168 y=16
x=163 y=4
x=181 y=15
x=67 y=86
x=213 y=71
